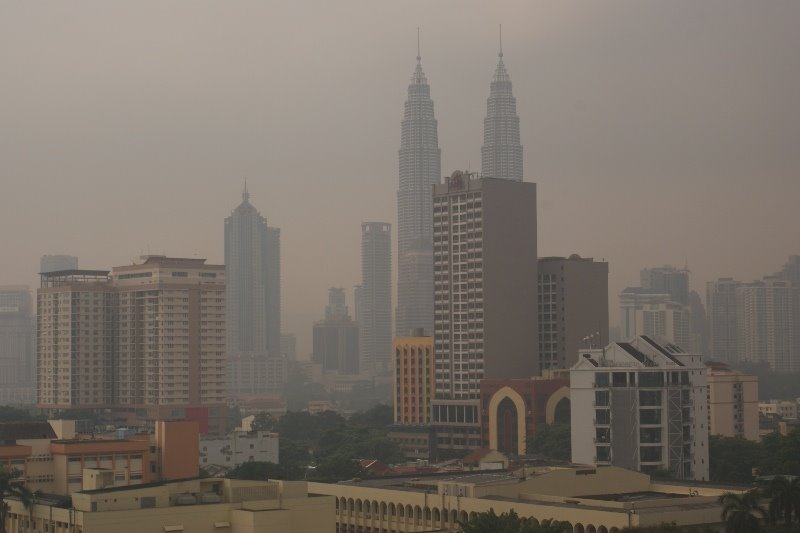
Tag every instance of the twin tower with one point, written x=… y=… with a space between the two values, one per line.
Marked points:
x=420 y=170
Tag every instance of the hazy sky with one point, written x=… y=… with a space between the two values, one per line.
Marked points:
x=658 y=132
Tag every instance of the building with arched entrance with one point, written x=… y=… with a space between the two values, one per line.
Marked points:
x=513 y=409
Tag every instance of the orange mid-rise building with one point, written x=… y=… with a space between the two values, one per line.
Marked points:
x=52 y=458
x=413 y=379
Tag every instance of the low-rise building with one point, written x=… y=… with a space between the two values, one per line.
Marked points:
x=732 y=402
x=782 y=408
x=587 y=498
x=210 y=505
x=52 y=457
x=239 y=447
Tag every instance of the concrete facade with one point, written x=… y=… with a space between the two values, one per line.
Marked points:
x=375 y=299
x=210 y=505
x=573 y=308
x=239 y=447
x=17 y=346
x=766 y=324
x=485 y=296
x=413 y=379
x=149 y=339
x=641 y=405
x=588 y=499
x=732 y=402
x=653 y=313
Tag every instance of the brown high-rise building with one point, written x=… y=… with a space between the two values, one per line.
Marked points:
x=485 y=305
x=146 y=342
x=413 y=378
x=573 y=308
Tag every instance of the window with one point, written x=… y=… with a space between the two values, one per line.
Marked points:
x=601 y=379
x=601 y=398
x=602 y=416
x=650 y=454
x=651 y=379
x=649 y=416
x=650 y=435
x=651 y=398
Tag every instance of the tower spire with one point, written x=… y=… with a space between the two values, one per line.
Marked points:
x=245 y=194
x=419 y=54
x=501 y=41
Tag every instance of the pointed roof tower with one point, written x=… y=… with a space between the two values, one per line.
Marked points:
x=501 y=153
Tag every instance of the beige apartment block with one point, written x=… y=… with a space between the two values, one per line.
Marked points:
x=210 y=505
x=590 y=499
x=146 y=341
x=732 y=402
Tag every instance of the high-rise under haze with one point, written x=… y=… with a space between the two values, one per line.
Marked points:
x=146 y=341
x=420 y=169
x=54 y=263
x=253 y=291
x=375 y=298
x=501 y=153
x=485 y=267
x=17 y=346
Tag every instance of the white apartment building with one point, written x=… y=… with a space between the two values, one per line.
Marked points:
x=782 y=408
x=655 y=314
x=641 y=405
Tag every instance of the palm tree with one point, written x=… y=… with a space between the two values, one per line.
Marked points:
x=741 y=512
x=9 y=487
x=785 y=500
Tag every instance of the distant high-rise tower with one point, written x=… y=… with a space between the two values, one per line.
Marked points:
x=722 y=319
x=55 y=263
x=336 y=337
x=420 y=169
x=375 y=297
x=253 y=291
x=667 y=280
x=501 y=153
x=17 y=346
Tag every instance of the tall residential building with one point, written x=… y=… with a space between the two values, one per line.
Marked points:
x=732 y=402
x=641 y=405
x=573 y=308
x=698 y=326
x=336 y=337
x=17 y=346
x=723 y=330
x=485 y=301
x=766 y=324
x=253 y=292
x=501 y=153
x=652 y=312
x=413 y=379
x=375 y=298
x=667 y=280
x=146 y=342
x=791 y=270
x=54 y=263
x=420 y=169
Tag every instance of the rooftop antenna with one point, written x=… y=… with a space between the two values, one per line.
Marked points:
x=419 y=54
x=245 y=194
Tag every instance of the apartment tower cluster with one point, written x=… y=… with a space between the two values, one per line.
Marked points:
x=144 y=341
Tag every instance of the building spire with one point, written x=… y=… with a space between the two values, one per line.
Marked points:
x=245 y=194
x=419 y=75
x=419 y=54
x=501 y=42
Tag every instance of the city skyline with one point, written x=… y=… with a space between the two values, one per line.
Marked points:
x=724 y=129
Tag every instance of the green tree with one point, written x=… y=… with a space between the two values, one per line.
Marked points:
x=732 y=459
x=742 y=512
x=13 y=414
x=784 y=500
x=337 y=468
x=11 y=488
x=257 y=471
x=553 y=442
x=264 y=421
x=378 y=416
x=510 y=522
